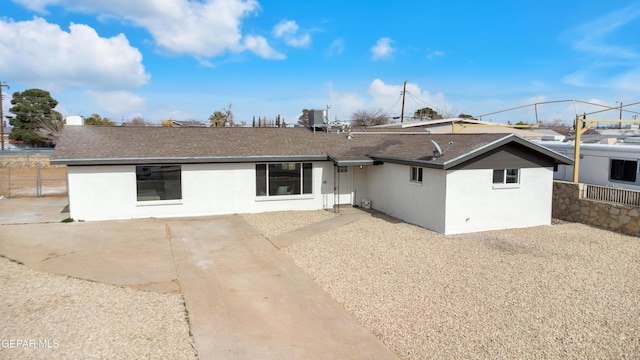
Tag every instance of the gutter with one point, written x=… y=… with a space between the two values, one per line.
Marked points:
x=188 y=160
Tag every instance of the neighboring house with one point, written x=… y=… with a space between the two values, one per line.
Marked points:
x=462 y=126
x=479 y=182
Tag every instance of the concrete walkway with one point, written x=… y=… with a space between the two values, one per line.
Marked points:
x=245 y=299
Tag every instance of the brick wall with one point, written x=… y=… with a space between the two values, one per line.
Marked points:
x=569 y=205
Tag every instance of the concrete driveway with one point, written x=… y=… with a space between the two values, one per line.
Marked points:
x=245 y=299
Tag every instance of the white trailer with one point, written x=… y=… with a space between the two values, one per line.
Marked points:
x=600 y=164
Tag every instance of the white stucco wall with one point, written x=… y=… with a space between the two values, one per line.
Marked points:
x=475 y=204
x=109 y=192
x=389 y=189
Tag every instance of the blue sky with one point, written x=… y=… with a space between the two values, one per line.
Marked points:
x=181 y=59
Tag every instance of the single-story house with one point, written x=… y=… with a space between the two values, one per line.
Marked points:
x=450 y=183
x=463 y=126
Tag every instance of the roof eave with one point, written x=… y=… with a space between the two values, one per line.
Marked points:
x=411 y=162
x=186 y=160
x=558 y=158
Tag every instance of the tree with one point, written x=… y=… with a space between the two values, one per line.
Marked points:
x=50 y=127
x=465 y=116
x=303 y=119
x=31 y=108
x=427 y=113
x=223 y=117
x=97 y=120
x=369 y=118
x=137 y=121
x=556 y=125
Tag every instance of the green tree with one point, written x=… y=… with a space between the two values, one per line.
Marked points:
x=223 y=117
x=97 y=120
x=427 y=113
x=303 y=119
x=465 y=116
x=369 y=118
x=31 y=107
x=218 y=119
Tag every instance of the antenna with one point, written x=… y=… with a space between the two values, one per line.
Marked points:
x=438 y=150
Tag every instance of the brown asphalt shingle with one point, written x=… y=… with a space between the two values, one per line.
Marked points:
x=127 y=145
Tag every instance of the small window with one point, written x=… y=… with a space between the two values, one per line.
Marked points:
x=343 y=169
x=623 y=170
x=506 y=176
x=158 y=182
x=416 y=174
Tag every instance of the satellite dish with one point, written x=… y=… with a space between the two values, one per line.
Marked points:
x=438 y=151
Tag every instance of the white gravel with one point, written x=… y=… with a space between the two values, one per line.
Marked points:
x=272 y=224
x=562 y=291
x=47 y=316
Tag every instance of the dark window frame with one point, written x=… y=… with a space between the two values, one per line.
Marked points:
x=415 y=175
x=284 y=179
x=158 y=183
x=623 y=170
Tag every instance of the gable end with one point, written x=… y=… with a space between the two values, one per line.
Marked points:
x=510 y=155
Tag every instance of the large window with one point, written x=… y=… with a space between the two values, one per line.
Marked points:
x=623 y=170
x=284 y=179
x=506 y=176
x=416 y=174
x=161 y=182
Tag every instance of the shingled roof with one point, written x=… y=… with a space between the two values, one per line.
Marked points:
x=94 y=145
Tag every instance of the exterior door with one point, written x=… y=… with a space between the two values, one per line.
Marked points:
x=343 y=179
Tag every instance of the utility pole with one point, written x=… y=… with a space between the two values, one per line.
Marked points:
x=2 y=84
x=328 y=107
x=620 y=123
x=404 y=90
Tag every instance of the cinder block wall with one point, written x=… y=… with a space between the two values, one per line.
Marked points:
x=569 y=205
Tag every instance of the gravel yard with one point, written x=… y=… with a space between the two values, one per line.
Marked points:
x=47 y=316
x=562 y=291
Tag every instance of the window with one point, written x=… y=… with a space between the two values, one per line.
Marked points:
x=623 y=170
x=158 y=182
x=343 y=169
x=284 y=179
x=506 y=176
x=416 y=174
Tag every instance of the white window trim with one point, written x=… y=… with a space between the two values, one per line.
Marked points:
x=159 y=202
x=421 y=175
x=504 y=184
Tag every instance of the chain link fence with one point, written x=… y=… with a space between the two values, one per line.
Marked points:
x=26 y=175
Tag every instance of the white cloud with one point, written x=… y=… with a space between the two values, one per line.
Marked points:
x=415 y=98
x=205 y=28
x=258 y=45
x=119 y=103
x=435 y=54
x=336 y=47
x=607 y=61
x=287 y=30
x=591 y=37
x=43 y=54
x=381 y=96
x=382 y=49
x=285 y=27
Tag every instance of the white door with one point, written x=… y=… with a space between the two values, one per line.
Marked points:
x=343 y=181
